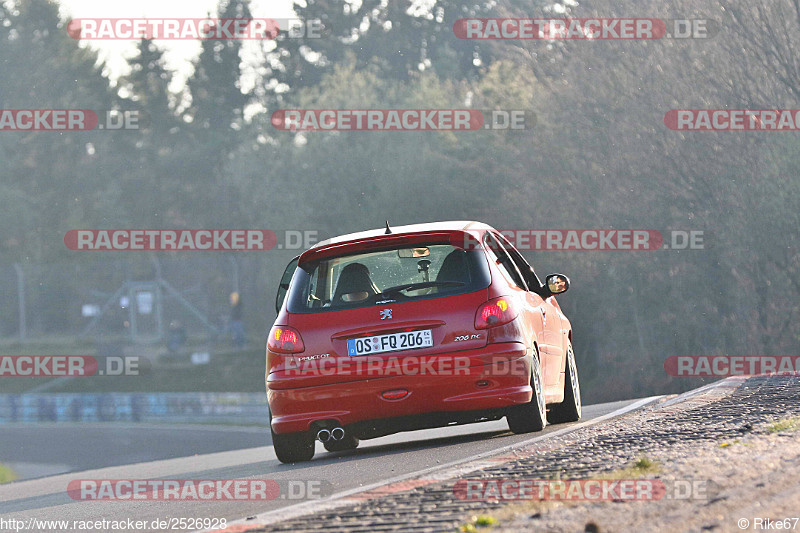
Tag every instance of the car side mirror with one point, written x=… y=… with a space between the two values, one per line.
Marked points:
x=557 y=283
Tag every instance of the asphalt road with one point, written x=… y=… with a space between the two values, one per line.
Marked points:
x=47 y=449
x=374 y=461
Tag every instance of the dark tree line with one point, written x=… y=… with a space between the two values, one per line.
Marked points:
x=599 y=156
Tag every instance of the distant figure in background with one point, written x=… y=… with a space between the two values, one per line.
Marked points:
x=176 y=337
x=237 y=326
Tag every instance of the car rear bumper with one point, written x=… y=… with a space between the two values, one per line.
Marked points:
x=486 y=387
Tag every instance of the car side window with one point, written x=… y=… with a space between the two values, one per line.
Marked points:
x=534 y=283
x=504 y=261
x=283 y=284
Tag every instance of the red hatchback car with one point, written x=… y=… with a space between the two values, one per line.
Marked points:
x=415 y=327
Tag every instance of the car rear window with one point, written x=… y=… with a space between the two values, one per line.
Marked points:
x=394 y=274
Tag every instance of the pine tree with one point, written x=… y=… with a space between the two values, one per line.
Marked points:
x=57 y=175
x=216 y=115
x=215 y=86
x=399 y=38
x=152 y=180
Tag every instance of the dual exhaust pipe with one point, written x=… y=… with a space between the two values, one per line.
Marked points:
x=324 y=435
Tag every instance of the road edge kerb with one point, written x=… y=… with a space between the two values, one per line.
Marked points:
x=444 y=471
x=733 y=382
x=461 y=466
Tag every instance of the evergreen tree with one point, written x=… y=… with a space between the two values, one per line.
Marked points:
x=59 y=176
x=153 y=178
x=400 y=38
x=215 y=86
x=216 y=115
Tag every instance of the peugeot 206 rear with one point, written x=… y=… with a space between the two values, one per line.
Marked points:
x=415 y=327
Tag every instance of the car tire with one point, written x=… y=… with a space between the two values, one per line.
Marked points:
x=570 y=409
x=349 y=442
x=531 y=416
x=292 y=447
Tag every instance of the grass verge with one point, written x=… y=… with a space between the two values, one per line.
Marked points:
x=6 y=474
x=784 y=425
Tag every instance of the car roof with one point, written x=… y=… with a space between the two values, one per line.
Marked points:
x=410 y=234
x=443 y=226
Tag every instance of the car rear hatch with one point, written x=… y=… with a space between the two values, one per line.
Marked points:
x=410 y=311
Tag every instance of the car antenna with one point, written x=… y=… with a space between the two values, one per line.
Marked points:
x=388 y=229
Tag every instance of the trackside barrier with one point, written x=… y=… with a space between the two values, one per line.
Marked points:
x=188 y=407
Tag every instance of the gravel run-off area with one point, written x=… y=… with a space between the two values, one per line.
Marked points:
x=724 y=458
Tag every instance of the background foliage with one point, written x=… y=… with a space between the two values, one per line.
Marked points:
x=598 y=157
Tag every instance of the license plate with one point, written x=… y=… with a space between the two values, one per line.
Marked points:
x=391 y=342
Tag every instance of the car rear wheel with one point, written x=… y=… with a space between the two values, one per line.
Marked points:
x=531 y=416
x=349 y=442
x=570 y=409
x=292 y=447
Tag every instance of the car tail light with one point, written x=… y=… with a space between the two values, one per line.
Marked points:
x=283 y=339
x=495 y=312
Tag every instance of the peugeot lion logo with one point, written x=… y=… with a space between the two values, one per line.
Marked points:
x=386 y=314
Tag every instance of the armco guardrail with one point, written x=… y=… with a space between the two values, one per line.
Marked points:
x=209 y=408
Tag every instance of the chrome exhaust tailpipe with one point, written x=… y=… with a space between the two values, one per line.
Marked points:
x=337 y=433
x=323 y=435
